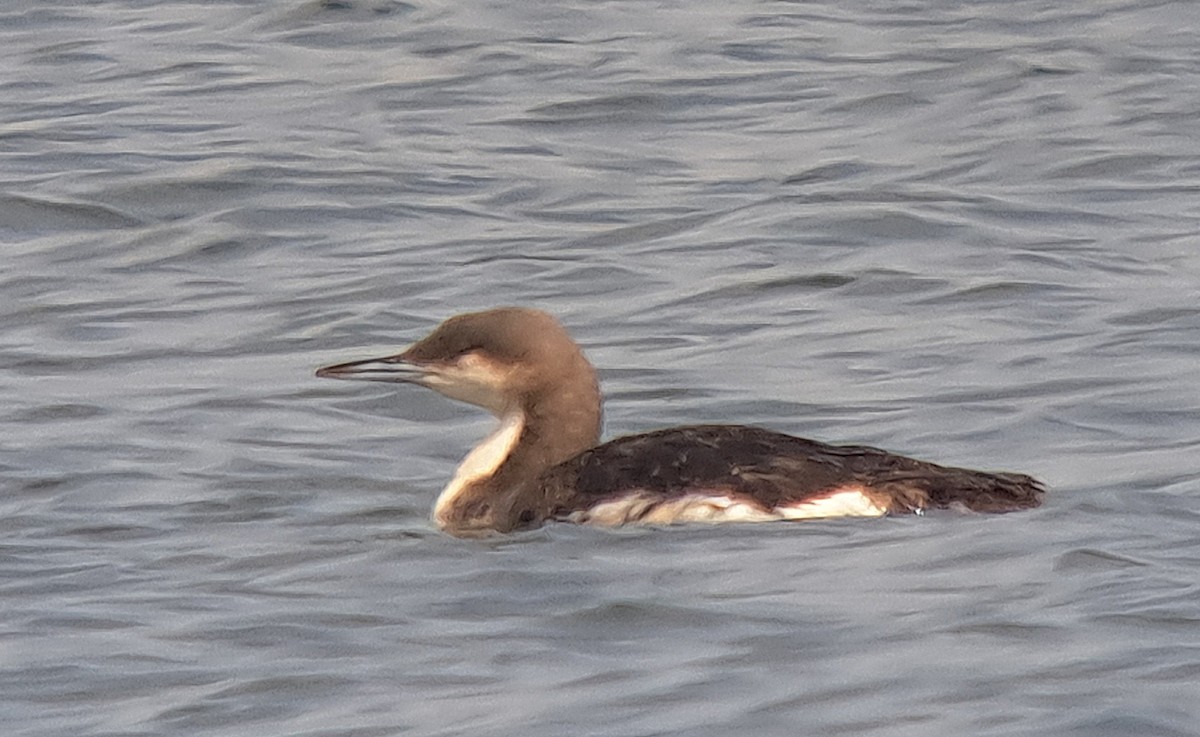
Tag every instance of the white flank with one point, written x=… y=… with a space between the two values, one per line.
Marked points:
x=642 y=508
x=481 y=462
x=846 y=503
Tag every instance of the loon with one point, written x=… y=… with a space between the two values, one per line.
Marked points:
x=544 y=463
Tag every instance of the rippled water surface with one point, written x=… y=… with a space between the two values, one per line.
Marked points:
x=964 y=231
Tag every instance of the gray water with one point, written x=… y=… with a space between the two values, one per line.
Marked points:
x=968 y=232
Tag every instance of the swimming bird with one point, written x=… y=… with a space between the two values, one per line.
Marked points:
x=544 y=462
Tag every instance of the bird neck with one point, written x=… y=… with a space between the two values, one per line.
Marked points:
x=494 y=486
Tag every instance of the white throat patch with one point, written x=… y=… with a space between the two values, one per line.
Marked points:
x=480 y=463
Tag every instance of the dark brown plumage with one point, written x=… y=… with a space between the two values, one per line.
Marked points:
x=772 y=469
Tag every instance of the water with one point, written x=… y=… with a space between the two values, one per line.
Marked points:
x=963 y=231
